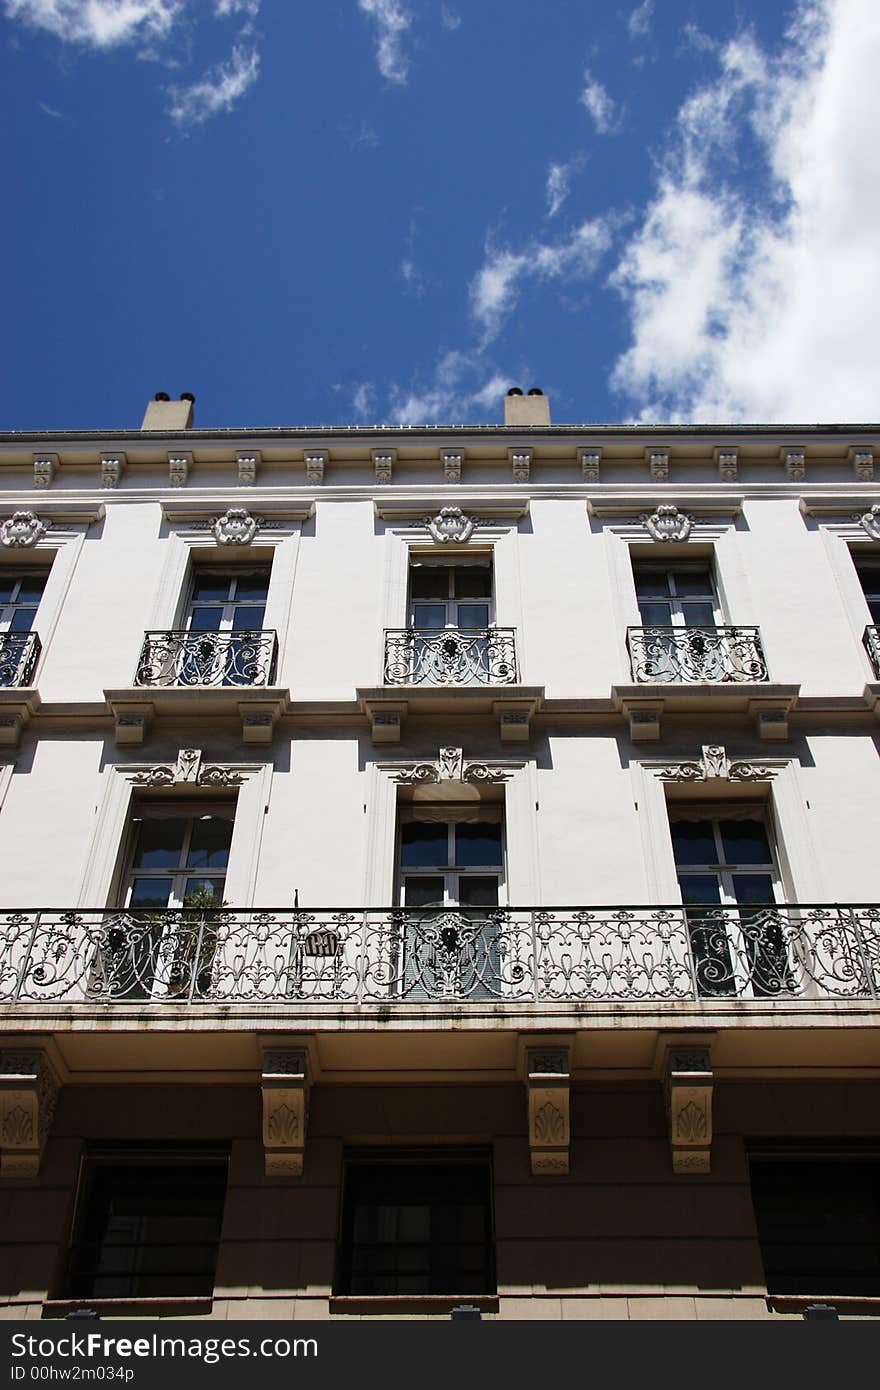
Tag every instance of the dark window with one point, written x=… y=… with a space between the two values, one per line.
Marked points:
x=869 y=575
x=819 y=1225
x=680 y=596
x=416 y=1228
x=148 y=1225
x=20 y=596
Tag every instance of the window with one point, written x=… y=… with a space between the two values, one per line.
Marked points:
x=818 y=1220
x=729 y=882
x=416 y=1227
x=227 y=601
x=232 y=605
x=179 y=857
x=869 y=577
x=681 y=596
x=20 y=596
x=456 y=595
x=450 y=638
x=148 y=1224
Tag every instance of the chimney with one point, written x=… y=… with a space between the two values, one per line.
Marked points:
x=533 y=409
x=172 y=416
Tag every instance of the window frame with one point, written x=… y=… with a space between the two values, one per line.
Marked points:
x=451 y=563
x=10 y=607
x=451 y=873
x=227 y=606
x=669 y=568
x=191 y=810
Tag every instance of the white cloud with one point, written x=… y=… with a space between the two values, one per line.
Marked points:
x=463 y=386
x=449 y=19
x=362 y=400
x=220 y=88
x=224 y=8
x=639 y=22
x=392 y=20
x=412 y=277
x=558 y=186
x=98 y=23
x=494 y=291
x=759 y=306
x=599 y=104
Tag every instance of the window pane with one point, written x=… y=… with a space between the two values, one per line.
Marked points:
x=753 y=889
x=22 y=619
x=209 y=843
x=211 y=588
x=478 y=890
x=430 y=615
x=473 y=581
x=698 y=614
x=655 y=614
x=693 y=842
x=150 y=892
x=32 y=586
x=159 y=843
x=249 y=619
x=478 y=844
x=203 y=892
x=7 y=588
x=424 y=843
x=651 y=583
x=699 y=889
x=429 y=581
x=745 y=842
x=205 y=620
x=473 y=615
x=423 y=892
x=693 y=582
x=251 y=588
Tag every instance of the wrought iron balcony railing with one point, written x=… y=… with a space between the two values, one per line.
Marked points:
x=695 y=655
x=871 y=640
x=19 y=653
x=207 y=658
x=450 y=656
x=398 y=956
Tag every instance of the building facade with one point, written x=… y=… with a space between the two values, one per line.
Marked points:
x=439 y=866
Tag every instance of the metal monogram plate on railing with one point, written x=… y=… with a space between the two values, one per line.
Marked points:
x=408 y=956
x=207 y=658
x=19 y=652
x=696 y=654
x=872 y=646
x=450 y=656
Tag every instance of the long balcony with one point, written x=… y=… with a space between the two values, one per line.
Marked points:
x=696 y=655
x=19 y=653
x=389 y=957
x=871 y=640
x=450 y=656
x=176 y=659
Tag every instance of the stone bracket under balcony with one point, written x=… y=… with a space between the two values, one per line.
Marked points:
x=684 y=1066
x=257 y=711
x=17 y=708
x=766 y=705
x=388 y=707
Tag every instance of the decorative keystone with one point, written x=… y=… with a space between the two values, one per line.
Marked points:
x=548 y=1077
x=316 y=462
x=658 y=462
x=521 y=464
x=589 y=460
x=235 y=527
x=285 y=1087
x=688 y=1081
x=45 y=468
x=728 y=464
x=795 y=464
x=247 y=465
x=178 y=469
x=29 y=1088
x=22 y=529
x=452 y=460
x=383 y=464
x=667 y=523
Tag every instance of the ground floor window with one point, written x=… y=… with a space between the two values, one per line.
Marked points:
x=147 y=1224
x=818 y=1220
x=413 y=1226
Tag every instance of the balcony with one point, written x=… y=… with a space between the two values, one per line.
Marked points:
x=180 y=659
x=19 y=653
x=450 y=656
x=390 y=957
x=696 y=655
x=871 y=640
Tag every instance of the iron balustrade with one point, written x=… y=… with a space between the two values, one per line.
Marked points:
x=450 y=656
x=207 y=658
x=19 y=653
x=696 y=654
x=871 y=640
x=398 y=956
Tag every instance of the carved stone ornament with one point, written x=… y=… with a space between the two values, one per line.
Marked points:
x=45 y=468
x=728 y=464
x=863 y=464
x=688 y=1092
x=247 y=464
x=870 y=522
x=450 y=524
x=178 y=469
x=714 y=764
x=452 y=460
x=235 y=527
x=521 y=464
x=285 y=1092
x=667 y=523
x=548 y=1075
x=795 y=461
x=590 y=461
x=28 y=1095
x=449 y=767
x=315 y=460
x=22 y=529
x=658 y=462
x=190 y=770
x=383 y=464
x=112 y=469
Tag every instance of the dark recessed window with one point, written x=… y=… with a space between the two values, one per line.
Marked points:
x=148 y=1225
x=819 y=1225
x=416 y=1228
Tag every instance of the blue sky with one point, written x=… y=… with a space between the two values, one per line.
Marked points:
x=387 y=211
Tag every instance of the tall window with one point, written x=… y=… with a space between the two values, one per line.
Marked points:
x=20 y=596
x=676 y=596
x=416 y=1228
x=869 y=576
x=227 y=600
x=148 y=1224
x=451 y=856
x=727 y=874
x=455 y=595
x=179 y=857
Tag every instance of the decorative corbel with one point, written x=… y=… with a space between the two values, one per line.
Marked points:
x=29 y=1086
x=590 y=460
x=521 y=464
x=795 y=461
x=386 y=721
x=863 y=464
x=247 y=464
x=315 y=461
x=658 y=462
x=45 y=468
x=178 y=469
x=285 y=1087
x=728 y=464
x=688 y=1081
x=548 y=1077
x=383 y=464
x=112 y=469
x=452 y=460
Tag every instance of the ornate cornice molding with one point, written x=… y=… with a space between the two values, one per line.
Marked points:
x=714 y=765
x=189 y=770
x=449 y=767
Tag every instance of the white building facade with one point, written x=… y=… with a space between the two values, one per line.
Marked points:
x=439 y=867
